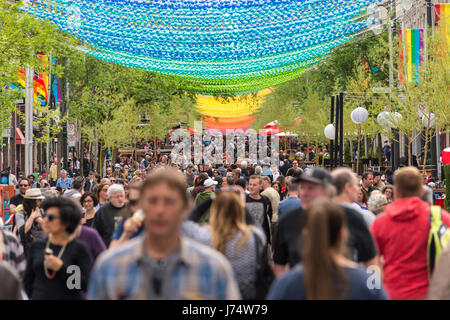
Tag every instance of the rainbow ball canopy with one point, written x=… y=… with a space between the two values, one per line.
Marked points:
x=219 y=46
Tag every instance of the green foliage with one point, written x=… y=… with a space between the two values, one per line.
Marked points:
x=106 y=96
x=315 y=116
x=22 y=38
x=430 y=93
x=342 y=71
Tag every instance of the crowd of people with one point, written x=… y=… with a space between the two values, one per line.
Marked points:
x=153 y=229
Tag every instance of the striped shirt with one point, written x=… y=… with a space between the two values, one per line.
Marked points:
x=198 y=272
x=13 y=252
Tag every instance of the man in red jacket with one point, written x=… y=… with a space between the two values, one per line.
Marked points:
x=401 y=235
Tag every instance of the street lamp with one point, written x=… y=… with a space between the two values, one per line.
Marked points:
x=330 y=131
x=359 y=116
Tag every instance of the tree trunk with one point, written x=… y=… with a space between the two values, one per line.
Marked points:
x=317 y=155
x=99 y=166
x=409 y=151
x=379 y=150
x=358 y=160
x=425 y=150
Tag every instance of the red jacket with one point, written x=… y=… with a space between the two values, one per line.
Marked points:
x=401 y=235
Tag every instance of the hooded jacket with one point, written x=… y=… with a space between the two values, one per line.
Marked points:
x=401 y=235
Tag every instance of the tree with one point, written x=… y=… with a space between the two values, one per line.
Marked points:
x=360 y=94
x=22 y=37
x=417 y=102
x=315 y=116
x=118 y=106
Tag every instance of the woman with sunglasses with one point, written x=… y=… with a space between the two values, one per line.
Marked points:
x=58 y=267
x=88 y=201
x=29 y=222
x=229 y=234
x=102 y=195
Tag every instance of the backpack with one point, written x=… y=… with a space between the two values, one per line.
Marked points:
x=438 y=239
x=264 y=273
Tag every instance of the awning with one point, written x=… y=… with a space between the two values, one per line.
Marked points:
x=20 y=139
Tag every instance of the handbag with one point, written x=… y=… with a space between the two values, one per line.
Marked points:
x=264 y=273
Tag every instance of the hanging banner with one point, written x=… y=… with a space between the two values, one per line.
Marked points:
x=414 y=46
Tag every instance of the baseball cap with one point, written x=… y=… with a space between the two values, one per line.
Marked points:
x=209 y=182
x=190 y=165
x=117 y=165
x=315 y=175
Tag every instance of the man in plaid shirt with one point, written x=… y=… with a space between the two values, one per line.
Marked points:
x=161 y=264
x=12 y=251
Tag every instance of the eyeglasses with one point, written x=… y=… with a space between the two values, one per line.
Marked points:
x=23 y=185
x=87 y=201
x=50 y=216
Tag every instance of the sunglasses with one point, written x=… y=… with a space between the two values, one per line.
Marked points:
x=133 y=202
x=23 y=185
x=50 y=216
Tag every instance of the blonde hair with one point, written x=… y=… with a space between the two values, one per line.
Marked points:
x=227 y=217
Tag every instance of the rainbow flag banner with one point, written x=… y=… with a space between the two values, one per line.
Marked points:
x=56 y=86
x=413 y=55
x=40 y=83
x=442 y=19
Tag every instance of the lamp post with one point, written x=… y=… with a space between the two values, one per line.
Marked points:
x=336 y=146
x=331 y=140
x=359 y=116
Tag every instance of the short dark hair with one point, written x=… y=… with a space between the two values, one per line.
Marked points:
x=77 y=183
x=292 y=186
x=29 y=205
x=296 y=173
x=69 y=211
x=230 y=181
x=89 y=194
x=242 y=182
x=366 y=175
x=23 y=178
x=376 y=174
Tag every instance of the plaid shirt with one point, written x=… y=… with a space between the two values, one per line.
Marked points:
x=198 y=273
x=13 y=252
